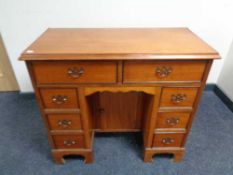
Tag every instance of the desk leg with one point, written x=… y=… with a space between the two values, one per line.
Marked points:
x=85 y=116
x=148 y=156
x=150 y=122
x=178 y=153
x=58 y=155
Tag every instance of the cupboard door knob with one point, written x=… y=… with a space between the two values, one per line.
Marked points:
x=177 y=98
x=74 y=72
x=69 y=142
x=59 y=99
x=172 y=121
x=163 y=71
x=64 y=123
x=101 y=110
x=167 y=140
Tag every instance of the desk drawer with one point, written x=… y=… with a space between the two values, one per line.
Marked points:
x=68 y=141
x=153 y=71
x=178 y=96
x=75 y=72
x=59 y=98
x=168 y=140
x=172 y=120
x=64 y=121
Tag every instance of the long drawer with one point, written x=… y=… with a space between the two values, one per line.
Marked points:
x=155 y=71
x=48 y=72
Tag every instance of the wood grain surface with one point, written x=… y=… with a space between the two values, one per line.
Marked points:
x=118 y=43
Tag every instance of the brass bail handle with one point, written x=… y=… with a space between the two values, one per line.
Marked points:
x=172 y=121
x=59 y=99
x=163 y=71
x=69 y=142
x=74 y=72
x=64 y=123
x=168 y=141
x=178 y=98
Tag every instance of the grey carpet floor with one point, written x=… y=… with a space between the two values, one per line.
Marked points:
x=24 y=149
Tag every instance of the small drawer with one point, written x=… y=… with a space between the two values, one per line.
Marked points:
x=154 y=71
x=59 y=98
x=68 y=141
x=172 y=120
x=182 y=96
x=64 y=121
x=47 y=72
x=168 y=140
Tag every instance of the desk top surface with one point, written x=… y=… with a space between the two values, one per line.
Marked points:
x=118 y=43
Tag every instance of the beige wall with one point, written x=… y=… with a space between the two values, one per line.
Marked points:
x=225 y=80
x=22 y=21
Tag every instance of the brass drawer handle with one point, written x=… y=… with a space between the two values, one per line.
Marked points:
x=69 y=142
x=59 y=99
x=64 y=123
x=167 y=140
x=75 y=72
x=163 y=71
x=172 y=121
x=178 y=98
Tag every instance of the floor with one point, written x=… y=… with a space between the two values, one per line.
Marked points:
x=24 y=148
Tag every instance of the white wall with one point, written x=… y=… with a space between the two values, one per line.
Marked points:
x=22 y=21
x=225 y=80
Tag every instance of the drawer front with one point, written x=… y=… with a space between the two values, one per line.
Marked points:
x=172 y=120
x=68 y=141
x=168 y=140
x=182 y=96
x=153 y=71
x=59 y=98
x=64 y=121
x=75 y=72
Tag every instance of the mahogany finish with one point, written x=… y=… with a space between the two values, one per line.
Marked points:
x=64 y=121
x=167 y=140
x=68 y=141
x=118 y=80
x=75 y=72
x=158 y=71
x=117 y=44
x=178 y=96
x=111 y=111
x=59 y=98
x=172 y=120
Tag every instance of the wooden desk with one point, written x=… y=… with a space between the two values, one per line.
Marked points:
x=118 y=80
